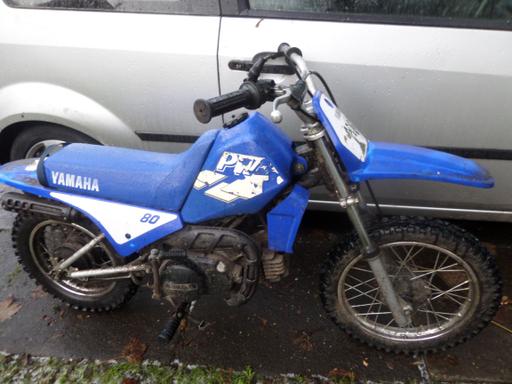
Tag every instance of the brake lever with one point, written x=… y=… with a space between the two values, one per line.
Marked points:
x=276 y=116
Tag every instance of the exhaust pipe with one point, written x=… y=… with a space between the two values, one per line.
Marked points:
x=19 y=202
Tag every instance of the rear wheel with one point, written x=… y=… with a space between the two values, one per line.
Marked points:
x=32 y=141
x=449 y=281
x=41 y=243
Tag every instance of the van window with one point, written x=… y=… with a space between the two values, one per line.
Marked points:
x=195 y=7
x=465 y=9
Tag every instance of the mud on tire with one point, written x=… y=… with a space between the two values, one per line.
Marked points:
x=465 y=260
x=25 y=230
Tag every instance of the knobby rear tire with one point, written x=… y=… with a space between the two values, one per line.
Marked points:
x=121 y=292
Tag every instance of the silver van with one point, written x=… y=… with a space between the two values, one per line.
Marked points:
x=434 y=73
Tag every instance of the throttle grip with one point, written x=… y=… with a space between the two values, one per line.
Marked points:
x=205 y=110
x=251 y=95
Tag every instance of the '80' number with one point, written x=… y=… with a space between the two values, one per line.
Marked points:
x=149 y=218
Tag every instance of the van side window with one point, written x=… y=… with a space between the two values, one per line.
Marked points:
x=465 y=9
x=195 y=7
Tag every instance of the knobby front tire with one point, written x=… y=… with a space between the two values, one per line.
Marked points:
x=442 y=271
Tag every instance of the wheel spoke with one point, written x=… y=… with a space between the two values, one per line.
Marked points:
x=360 y=283
x=367 y=294
x=373 y=303
x=433 y=271
x=373 y=313
x=433 y=312
x=363 y=305
x=442 y=315
x=448 y=291
x=389 y=323
x=409 y=257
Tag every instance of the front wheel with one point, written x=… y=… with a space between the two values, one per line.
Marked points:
x=442 y=273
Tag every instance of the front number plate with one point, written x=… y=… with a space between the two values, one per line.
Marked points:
x=348 y=135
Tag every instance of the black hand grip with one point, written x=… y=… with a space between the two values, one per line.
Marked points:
x=205 y=110
x=251 y=95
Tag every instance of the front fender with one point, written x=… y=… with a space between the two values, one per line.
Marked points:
x=399 y=161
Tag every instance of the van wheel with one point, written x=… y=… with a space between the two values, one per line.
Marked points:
x=32 y=141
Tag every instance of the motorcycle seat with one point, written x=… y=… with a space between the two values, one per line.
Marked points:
x=141 y=178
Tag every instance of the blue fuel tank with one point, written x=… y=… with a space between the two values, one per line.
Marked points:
x=247 y=166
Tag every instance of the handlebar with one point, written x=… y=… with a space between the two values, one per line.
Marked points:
x=294 y=58
x=251 y=95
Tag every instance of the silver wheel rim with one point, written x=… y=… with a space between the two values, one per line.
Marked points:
x=38 y=148
x=444 y=294
x=43 y=260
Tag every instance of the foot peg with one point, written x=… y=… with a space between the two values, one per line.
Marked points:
x=173 y=324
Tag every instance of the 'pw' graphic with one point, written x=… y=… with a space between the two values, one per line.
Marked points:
x=254 y=174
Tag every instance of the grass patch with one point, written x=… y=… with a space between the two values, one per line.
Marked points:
x=11 y=277
x=26 y=369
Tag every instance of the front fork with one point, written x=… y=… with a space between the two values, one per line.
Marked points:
x=371 y=251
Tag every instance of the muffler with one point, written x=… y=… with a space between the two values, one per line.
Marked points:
x=19 y=202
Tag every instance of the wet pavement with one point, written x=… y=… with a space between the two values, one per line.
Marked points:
x=283 y=329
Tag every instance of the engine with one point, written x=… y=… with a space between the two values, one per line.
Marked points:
x=209 y=260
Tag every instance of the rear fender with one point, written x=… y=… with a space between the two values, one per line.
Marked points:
x=128 y=228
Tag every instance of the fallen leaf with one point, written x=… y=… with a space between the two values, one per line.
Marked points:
x=303 y=341
x=264 y=322
x=365 y=362
x=8 y=308
x=134 y=351
x=338 y=373
x=450 y=360
x=127 y=380
x=390 y=365
x=505 y=300
x=48 y=320
x=39 y=293
x=183 y=325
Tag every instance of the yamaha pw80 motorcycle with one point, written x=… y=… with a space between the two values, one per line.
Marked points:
x=94 y=223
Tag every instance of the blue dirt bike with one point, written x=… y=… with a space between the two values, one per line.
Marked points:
x=96 y=222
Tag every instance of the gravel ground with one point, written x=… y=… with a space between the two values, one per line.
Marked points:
x=282 y=330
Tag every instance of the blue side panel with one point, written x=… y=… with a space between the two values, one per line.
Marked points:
x=398 y=161
x=284 y=220
x=246 y=168
x=142 y=178
x=115 y=220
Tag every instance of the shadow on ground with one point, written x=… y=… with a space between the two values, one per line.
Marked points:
x=283 y=329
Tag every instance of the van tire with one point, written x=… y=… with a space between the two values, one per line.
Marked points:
x=25 y=144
